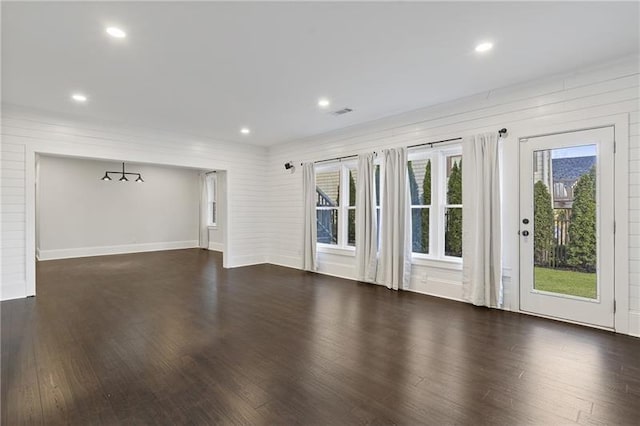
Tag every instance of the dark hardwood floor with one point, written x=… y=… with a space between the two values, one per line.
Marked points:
x=173 y=338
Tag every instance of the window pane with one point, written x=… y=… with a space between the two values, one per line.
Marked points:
x=351 y=237
x=413 y=184
x=420 y=181
x=211 y=180
x=565 y=221
x=420 y=230
x=328 y=188
x=351 y=219
x=453 y=232
x=454 y=179
x=327 y=221
x=353 y=178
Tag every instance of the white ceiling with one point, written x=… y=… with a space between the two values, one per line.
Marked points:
x=210 y=68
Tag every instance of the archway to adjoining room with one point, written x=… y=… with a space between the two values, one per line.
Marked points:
x=86 y=207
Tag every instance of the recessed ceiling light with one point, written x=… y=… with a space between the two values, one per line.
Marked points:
x=245 y=131
x=324 y=103
x=79 y=97
x=484 y=47
x=116 y=32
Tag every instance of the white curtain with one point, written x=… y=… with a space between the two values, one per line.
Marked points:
x=394 y=265
x=482 y=222
x=204 y=209
x=310 y=227
x=366 y=219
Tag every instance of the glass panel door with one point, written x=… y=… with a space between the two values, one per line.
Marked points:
x=566 y=229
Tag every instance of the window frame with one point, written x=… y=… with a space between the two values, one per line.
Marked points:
x=445 y=153
x=426 y=154
x=438 y=206
x=344 y=179
x=343 y=208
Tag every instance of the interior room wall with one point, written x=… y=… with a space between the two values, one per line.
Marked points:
x=27 y=131
x=595 y=92
x=81 y=215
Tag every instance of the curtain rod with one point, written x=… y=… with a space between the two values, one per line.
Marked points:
x=434 y=143
x=500 y=133
x=337 y=158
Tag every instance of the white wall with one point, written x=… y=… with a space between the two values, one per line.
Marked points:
x=25 y=132
x=595 y=93
x=81 y=215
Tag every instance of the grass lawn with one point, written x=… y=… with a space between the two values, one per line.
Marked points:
x=566 y=282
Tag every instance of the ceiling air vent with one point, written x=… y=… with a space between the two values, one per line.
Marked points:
x=342 y=111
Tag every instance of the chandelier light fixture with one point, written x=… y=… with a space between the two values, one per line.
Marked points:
x=124 y=174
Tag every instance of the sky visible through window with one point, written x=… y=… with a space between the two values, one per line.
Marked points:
x=574 y=151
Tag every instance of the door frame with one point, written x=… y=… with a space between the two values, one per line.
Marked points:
x=562 y=123
x=598 y=311
x=32 y=151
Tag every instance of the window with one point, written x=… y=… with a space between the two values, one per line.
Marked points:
x=212 y=193
x=435 y=183
x=377 y=183
x=336 y=204
x=453 y=207
x=420 y=187
x=327 y=194
x=351 y=231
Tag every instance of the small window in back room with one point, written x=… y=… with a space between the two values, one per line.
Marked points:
x=212 y=192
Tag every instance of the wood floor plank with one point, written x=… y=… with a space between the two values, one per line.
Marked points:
x=20 y=388
x=174 y=338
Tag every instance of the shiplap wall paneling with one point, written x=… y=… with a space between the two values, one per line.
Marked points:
x=13 y=220
x=26 y=132
x=602 y=91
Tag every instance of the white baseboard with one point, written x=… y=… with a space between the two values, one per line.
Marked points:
x=248 y=260
x=13 y=290
x=338 y=270
x=286 y=261
x=507 y=298
x=426 y=293
x=634 y=323
x=438 y=287
x=109 y=250
x=338 y=275
x=216 y=246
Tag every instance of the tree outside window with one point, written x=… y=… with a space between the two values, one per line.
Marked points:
x=453 y=210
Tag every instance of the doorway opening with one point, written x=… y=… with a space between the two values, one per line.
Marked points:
x=88 y=207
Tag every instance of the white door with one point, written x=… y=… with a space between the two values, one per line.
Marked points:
x=567 y=226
